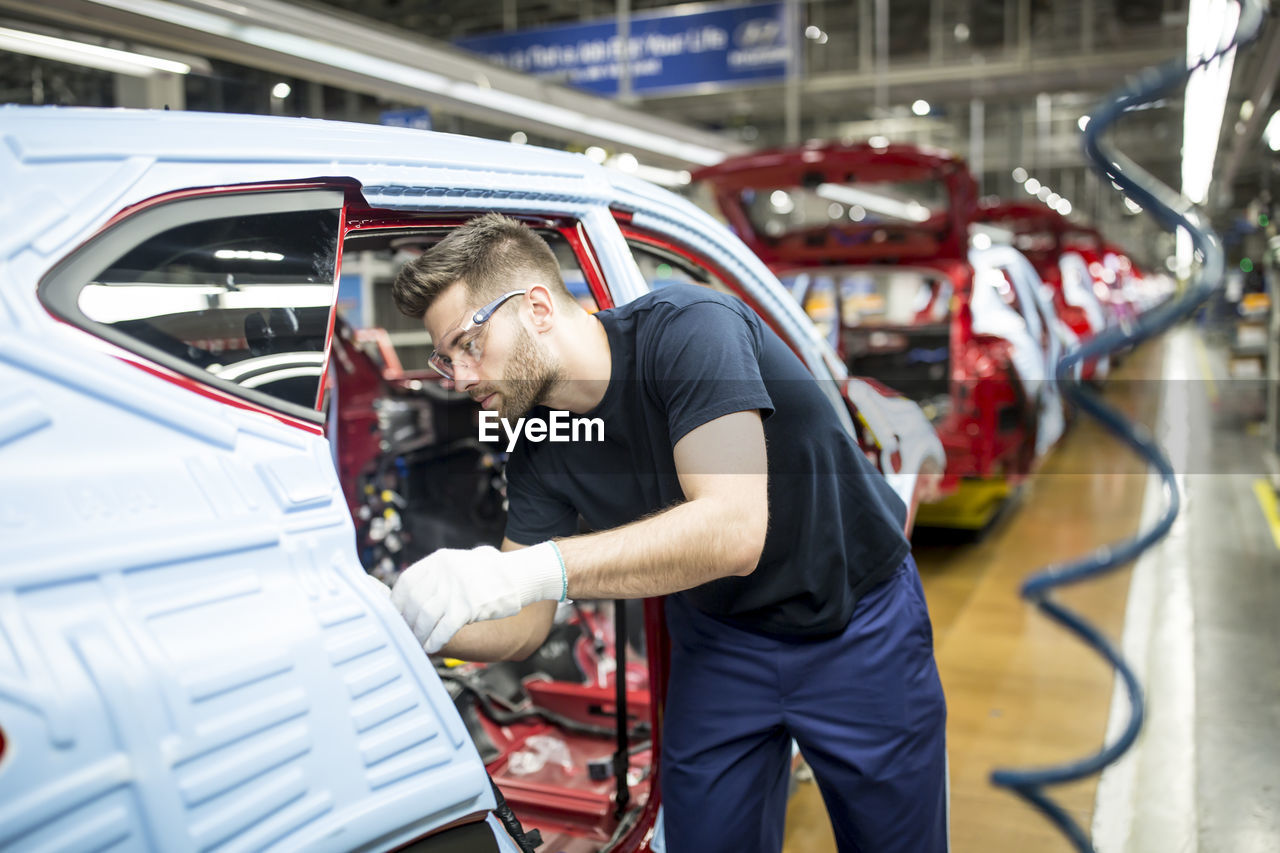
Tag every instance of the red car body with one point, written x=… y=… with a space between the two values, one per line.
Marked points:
x=1042 y=235
x=1121 y=301
x=984 y=417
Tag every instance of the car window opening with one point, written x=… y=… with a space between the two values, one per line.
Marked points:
x=547 y=728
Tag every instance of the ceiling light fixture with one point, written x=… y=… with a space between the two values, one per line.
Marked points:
x=1272 y=132
x=247 y=255
x=88 y=55
x=1210 y=23
x=864 y=201
x=626 y=162
x=661 y=177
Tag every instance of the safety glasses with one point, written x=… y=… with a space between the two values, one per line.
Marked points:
x=469 y=346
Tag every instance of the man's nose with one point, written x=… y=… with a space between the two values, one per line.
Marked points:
x=465 y=378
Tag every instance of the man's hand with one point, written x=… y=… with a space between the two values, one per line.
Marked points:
x=450 y=588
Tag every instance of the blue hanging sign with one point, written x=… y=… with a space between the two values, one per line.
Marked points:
x=415 y=117
x=708 y=45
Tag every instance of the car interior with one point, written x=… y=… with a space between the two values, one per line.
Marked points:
x=892 y=324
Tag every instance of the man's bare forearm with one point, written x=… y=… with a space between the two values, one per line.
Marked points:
x=679 y=548
x=513 y=638
x=718 y=532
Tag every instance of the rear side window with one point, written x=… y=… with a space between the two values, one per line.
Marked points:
x=372 y=258
x=873 y=296
x=233 y=290
x=661 y=268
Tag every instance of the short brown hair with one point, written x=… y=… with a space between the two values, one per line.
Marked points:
x=490 y=255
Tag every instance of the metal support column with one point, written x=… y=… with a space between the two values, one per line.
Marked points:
x=866 y=41
x=1017 y=151
x=157 y=91
x=936 y=35
x=1024 y=30
x=1044 y=113
x=791 y=103
x=1092 y=196
x=977 y=134
x=625 y=92
x=882 y=55
x=1011 y=27
x=315 y=100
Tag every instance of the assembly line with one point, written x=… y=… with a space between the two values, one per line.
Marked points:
x=386 y=488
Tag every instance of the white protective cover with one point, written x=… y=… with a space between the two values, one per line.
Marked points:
x=1024 y=330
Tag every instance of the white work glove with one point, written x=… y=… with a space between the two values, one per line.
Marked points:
x=448 y=589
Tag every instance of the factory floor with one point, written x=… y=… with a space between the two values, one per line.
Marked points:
x=1197 y=614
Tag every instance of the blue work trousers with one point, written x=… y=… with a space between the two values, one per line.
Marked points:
x=866 y=708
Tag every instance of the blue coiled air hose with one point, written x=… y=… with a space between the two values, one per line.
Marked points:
x=1171 y=210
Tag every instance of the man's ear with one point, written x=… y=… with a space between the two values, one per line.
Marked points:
x=542 y=307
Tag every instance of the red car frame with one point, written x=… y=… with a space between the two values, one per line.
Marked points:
x=874 y=225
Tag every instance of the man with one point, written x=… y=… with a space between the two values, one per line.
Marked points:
x=725 y=482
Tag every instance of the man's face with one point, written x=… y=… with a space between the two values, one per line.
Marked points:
x=508 y=370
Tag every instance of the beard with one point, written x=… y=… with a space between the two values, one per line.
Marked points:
x=538 y=374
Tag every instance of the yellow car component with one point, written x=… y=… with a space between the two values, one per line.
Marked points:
x=969 y=507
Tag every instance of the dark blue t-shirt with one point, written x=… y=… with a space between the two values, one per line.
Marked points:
x=685 y=355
